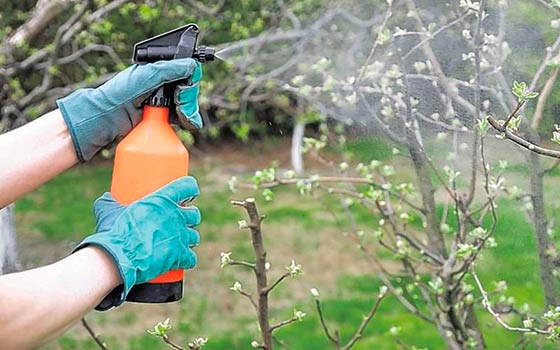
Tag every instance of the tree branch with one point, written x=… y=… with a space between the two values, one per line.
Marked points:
x=276 y=283
x=254 y=225
x=488 y=306
x=523 y=142
x=334 y=340
x=93 y=335
x=43 y=14
x=169 y=342
x=365 y=322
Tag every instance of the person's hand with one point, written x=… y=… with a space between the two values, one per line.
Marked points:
x=96 y=117
x=148 y=237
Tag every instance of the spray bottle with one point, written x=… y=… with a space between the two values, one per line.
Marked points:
x=151 y=155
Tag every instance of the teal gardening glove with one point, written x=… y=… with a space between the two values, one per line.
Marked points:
x=97 y=117
x=148 y=237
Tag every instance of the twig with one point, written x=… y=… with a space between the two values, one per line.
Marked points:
x=376 y=43
x=242 y=263
x=168 y=341
x=549 y=7
x=513 y=113
x=276 y=283
x=432 y=36
x=250 y=297
x=333 y=179
x=523 y=142
x=284 y=323
x=543 y=97
x=544 y=64
x=551 y=169
x=488 y=307
x=93 y=335
x=365 y=322
x=477 y=44
x=334 y=340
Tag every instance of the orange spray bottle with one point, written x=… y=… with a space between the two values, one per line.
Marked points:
x=152 y=155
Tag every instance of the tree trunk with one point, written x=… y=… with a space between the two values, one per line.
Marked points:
x=435 y=237
x=8 y=252
x=297 y=140
x=544 y=243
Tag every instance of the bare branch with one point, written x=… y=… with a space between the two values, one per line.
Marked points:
x=543 y=97
x=549 y=7
x=434 y=34
x=93 y=335
x=488 y=306
x=523 y=142
x=242 y=263
x=334 y=340
x=276 y=283
x=363 y=325
x=250 y=297
x=284 y=323
x=376 y=43
x=45 y=11
x=168 y=341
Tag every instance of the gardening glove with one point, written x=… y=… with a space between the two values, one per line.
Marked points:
x=148 y=237
x=96 y=117
x=186 y=113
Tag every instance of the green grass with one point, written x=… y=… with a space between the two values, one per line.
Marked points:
x=61 y=210
x=365 y=149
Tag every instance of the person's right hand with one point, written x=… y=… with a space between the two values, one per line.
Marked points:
x=148 y=237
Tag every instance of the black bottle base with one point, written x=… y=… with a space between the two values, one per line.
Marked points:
x=156 y=292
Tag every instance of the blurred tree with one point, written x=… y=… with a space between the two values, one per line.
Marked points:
x=8 y=251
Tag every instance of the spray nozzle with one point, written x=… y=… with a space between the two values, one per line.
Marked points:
x=177 y=43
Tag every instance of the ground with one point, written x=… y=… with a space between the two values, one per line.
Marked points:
x=54 y=218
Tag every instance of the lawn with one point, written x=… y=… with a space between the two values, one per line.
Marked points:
x=58 y=215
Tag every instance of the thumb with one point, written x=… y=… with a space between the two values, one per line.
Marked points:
x=106 y=210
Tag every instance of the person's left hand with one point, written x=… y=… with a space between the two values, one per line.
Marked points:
x=96 y=117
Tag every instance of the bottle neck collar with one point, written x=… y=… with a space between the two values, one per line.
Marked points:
x=158 y=114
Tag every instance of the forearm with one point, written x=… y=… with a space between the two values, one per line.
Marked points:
x=33 y=154
x=38 y=305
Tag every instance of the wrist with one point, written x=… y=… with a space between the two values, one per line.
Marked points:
x=104 y=263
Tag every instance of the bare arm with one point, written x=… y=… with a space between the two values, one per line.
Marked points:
x=33 y=154
x=48 y=300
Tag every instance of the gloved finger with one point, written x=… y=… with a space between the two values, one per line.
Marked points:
x=191 y=215
x=180 y=190
x=189 y=117
x=191 y=237
x=106 y=210
x=197 y=73
x=188 y=259
x=144 y=78
x=186 y=106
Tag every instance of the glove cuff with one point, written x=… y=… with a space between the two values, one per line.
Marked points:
x=62 y=107
x=91 y=132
